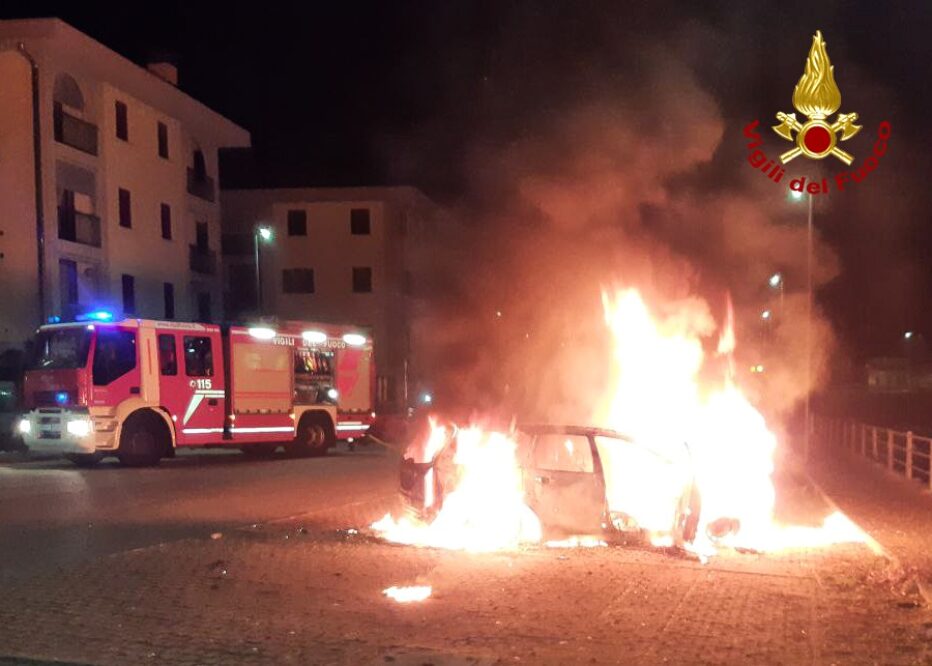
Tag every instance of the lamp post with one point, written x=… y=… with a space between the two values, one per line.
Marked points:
x=799 y=195
x=264 y=234
x=776 y=282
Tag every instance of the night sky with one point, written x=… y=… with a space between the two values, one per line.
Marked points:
x=410 y=92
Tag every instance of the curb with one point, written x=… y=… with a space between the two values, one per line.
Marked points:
x=876 y=547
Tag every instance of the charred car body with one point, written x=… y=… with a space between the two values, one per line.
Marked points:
x=577 y=480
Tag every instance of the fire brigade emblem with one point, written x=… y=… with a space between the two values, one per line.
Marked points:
x=817 y=96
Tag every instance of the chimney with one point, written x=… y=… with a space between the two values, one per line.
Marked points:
x=165 y=71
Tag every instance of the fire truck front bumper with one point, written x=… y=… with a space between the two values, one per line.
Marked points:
x=62 y=431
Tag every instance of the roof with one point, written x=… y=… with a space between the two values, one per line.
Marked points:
x=88 y=56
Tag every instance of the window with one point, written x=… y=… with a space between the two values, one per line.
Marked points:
x=362 y=279
x=298 y=281
x=297 y=223
x=168 y=358
x=126 y=209
x=201 y=237
x=68 y=280
x=166 y=221
x=163 y=140
x=60 y=348
x=129 y=294
x=114 y=356
x=359 y=221
x=122 y=121
x=562 y=453
x=168 y=293
x=198 y=358
x=203 y=307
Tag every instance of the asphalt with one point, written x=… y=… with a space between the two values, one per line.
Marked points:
x=54 y=515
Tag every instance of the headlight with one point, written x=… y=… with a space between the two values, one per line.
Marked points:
x=333 y=394
x=79 y=427
x=24 y=426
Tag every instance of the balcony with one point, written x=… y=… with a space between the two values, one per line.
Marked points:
x=200 y=185
x=78 y=227
x=202 y=260
x=74 y=132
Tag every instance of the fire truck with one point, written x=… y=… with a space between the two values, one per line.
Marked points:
x=140 y=389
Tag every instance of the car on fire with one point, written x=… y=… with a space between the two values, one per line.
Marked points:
x=578 y=481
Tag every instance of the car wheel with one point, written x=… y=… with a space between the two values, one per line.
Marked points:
x=143 y=440
x=85 y=459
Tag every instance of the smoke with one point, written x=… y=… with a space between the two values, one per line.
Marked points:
x=621 y=181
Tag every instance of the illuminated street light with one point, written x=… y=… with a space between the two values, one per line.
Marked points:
x=266 y=234
x=776 y=280
x=796 y=195
x=765 y=315
x=908 y=335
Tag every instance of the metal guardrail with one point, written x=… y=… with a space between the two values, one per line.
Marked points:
x=902 y=452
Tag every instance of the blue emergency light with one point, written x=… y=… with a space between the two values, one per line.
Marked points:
x=96 y=315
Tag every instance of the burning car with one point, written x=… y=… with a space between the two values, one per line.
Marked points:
x=575 y=480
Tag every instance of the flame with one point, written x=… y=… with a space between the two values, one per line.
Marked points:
x=711 y=438
x=404 y=595
x=485 y=510
x=816 y=95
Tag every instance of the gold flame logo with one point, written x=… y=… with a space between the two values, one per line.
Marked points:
x=817 y=96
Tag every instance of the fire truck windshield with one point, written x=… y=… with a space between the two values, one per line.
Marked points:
x=60 y=348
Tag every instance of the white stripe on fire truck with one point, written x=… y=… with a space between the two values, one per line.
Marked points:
x=352 y=426
x=205 y=431
x=196 y=400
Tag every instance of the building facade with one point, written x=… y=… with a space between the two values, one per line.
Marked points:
x=109 y=195
x=340 y=255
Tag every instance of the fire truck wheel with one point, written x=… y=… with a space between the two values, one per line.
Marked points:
x=315 y=435
x=144 y=440
x=85 y=459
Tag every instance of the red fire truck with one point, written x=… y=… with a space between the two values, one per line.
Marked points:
x=139 y=389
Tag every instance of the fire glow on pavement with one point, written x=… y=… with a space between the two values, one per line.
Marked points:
x=407 y=594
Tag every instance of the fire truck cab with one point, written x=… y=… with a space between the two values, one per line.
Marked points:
x=140 y=389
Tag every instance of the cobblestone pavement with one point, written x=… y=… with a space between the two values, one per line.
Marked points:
x=307 y=591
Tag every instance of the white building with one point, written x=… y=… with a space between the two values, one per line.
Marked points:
x=341 y=255
x=108 y=184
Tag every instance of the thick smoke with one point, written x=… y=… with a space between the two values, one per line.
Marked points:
x=619 y=186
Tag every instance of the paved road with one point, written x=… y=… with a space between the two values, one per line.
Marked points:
x=116 y=566
x=54 y=514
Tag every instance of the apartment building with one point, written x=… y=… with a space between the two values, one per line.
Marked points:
x=342 y=255
x=108 y=184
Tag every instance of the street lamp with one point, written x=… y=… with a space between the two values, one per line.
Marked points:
x=765 y=315
x=908 y=335
x=265 y=234
x=776 y=282
x=797 y=196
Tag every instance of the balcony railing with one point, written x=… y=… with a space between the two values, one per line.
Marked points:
x=202 y=260
x=78 y=227
x=75 y=132
x=200 y=185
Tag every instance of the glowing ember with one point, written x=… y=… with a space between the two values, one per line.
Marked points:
x=404 y=595
x=485 y=510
